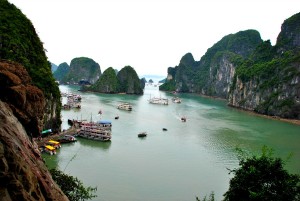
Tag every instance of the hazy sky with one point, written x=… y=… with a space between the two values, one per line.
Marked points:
x=149 y=35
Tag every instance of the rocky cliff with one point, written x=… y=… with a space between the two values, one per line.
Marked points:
x=270 y=84
x=129 y=81
x=23 y=173
x=107 y=83
x=248 y=72
x=212 y=75
x=19 y=42
x=62 y=70
x=82 y=68
x=126 y=81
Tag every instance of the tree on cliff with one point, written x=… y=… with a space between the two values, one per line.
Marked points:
x=263 y=178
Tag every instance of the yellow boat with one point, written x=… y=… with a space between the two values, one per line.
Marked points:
x=49 y=149
x=54 y=144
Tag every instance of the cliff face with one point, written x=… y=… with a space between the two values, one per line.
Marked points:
x=23 y=173
x=25 y=100
x=213 y=74
x=19 y=42
x=83 y=68
x=62 y=70
x=272 y=86
x=129 y=81
x=222 y=78
x=107 y=83
x=248 y=72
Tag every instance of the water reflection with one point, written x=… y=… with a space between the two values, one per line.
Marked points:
x=94 y=143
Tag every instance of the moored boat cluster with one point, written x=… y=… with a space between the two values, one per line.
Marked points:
x=73 y=101
x=100 y=130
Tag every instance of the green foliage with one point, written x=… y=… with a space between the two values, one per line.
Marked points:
x=72 y=187
x=289 y=29
x=107 y=83
x=262 y=178
x=20 y=43
x=168 y=86
x=129 y=81
x=266 y=69
x=82 y=68
x=234 y=46
x=62 y=70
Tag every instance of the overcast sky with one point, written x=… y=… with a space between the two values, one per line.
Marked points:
x=149 y=35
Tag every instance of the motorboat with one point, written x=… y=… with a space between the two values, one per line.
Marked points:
x=142 y=134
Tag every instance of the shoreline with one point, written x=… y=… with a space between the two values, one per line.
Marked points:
x=43 y=140
x=250 y=112
x=291 y=121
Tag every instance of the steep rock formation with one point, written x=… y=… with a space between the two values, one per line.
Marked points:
x=19 y=42
x=272 y=86
x=248 y=72
x=107 y=83
x=222 y=76
x=62 y=70
x=23 y=173
x=129 y=81
x=83 y=68
x=209 y=75
x=26 y=101
x=53 y=67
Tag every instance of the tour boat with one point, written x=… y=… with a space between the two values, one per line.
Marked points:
x=161 y=101
x=100 y=130
x=125 y=106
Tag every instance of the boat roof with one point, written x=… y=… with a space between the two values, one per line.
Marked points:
x=50 y=147
x=47 y=131
x=104 y=122
x=53 y=141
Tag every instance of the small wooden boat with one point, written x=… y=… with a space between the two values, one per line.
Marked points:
x=54 y=144
x=142 y=134
x=66 y=139
x=48 y=149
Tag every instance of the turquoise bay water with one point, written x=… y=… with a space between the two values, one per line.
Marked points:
x=189 y=159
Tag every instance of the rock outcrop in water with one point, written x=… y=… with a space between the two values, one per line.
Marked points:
x=126 y=81
x=250 y=73
x=62 y=70
x=23 y=173
x=82 y=68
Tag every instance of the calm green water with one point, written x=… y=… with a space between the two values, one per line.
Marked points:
x=188 y=160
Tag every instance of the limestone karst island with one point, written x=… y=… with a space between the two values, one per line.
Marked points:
x=79 y=131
